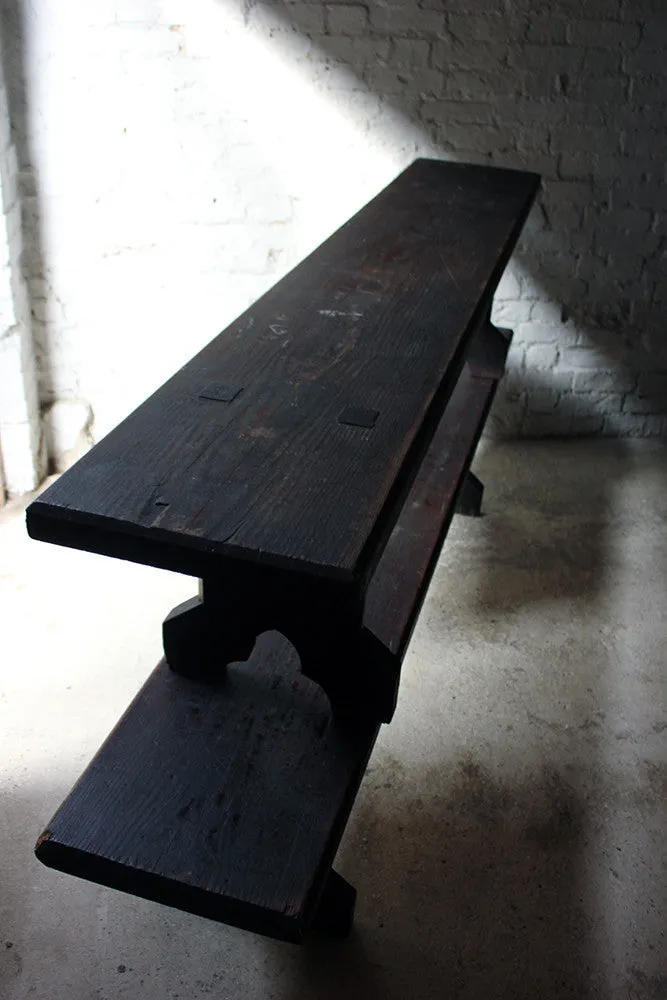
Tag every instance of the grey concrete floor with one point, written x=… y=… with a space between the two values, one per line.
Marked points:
x=509 y=838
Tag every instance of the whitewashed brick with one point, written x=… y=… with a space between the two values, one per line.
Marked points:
x=587 y=425
x=604 y=10
x=404 y=20
x=18 y=463
x=655 y=426
x=633 y=220
x=543 y=400
x=225 y=139
x=597 y=141
x=546 y=31
x=479 y=27
x=410 y=52
x=539 y=333
x=546 y=314
x=601 y=62
x=346 y=19
x=655 y=29
x=420 y=81
x=538 y=423
x=67 y=428
x=643 y=405
x=342 y=78
x=653 y=384
x=307 y=17
x=357 y=51
x=576 y=166
x=560 y=380
x=603 y=34
x=442 y=50
x=20 y=458
x=550 y=59
x=645 y=145
x=607 y=402
x=458 y=112
x=596 y=381
x=648 y=90
x=481 y=57
x=477 y=86
x=644 y=62
x=509 y=286
x=611 y=90
x=586 y=358
x=510 y=312
x=541 y=356
x=528 y=111
x=477 y=138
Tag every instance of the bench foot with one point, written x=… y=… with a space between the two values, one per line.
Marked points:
x=469 y=500
x=192 y=641
x=335 y=911
x=488 y=352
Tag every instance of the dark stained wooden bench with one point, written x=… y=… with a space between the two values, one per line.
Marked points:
x=305 y=466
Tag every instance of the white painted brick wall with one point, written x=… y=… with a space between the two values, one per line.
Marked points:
x=21 y=463
x=186 y=153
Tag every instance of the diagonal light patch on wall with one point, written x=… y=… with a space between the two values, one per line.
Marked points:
x=559 y=91
x=189 y=153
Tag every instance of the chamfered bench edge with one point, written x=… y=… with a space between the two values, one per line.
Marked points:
x=158 y=889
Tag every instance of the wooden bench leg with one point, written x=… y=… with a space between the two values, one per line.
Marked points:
x=335 y=910
x=469 y=501
x=487 y=354
x=220 y=626
x=191 y=637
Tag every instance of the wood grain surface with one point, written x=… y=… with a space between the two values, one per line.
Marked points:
x=225 y=800
x=246 y=453
x=400 y=583
x=229 y=799
x=325 y=435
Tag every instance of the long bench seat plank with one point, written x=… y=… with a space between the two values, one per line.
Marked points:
x=404 y=572
x=229 y=800
x=258 y=448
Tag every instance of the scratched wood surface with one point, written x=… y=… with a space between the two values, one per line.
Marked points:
x=293 y=437
x=229 y=800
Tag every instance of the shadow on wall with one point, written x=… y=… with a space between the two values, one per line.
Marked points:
x=584 y=103
x=576 y=92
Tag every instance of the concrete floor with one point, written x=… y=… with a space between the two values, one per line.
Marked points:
x=510 y=836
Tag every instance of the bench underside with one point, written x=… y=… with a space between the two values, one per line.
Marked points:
x=229 y=799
